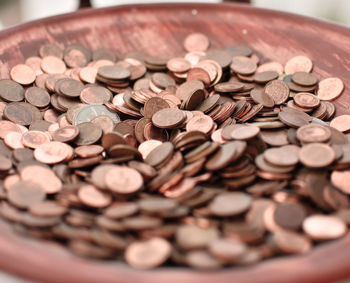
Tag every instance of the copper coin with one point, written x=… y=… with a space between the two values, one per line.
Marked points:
x=260 y=97
x=196 y=42
x=13 y=140
x=37 y=96
x=148 y=254
x=88 y=74
x=281 y=156
x=168 y=118
x=291 y=242
x=243 y=65
x=226 y=154
x=53 y=65
x=201 y=259
x=5 y=163
x=153 y=105
x=316 y=155
x=42 y=176
x=294 y=117
x=114 y=72
x=6 y=127
x=123 y=180
x=229 y=87
x=341 y=179
x=201 y=123
x=245 y=133
x=50 y=49
x=265 y=76
x=95 y=95
x=341 y=123
x=160 y=154
x=52 y=152
x=230 y=204
x=298 y=64
x=69 y=87
x=324 y=227
x=278 y=91
x=193 y=237
x=93 y=197
x=121 y=210
x=178 y=65
x=11 y=91
x=306 y=100
x=24 y=194
x=47 y=209
x=22 y=74
x=86 y=151
x=227 y=250
x=330 y=88
x=313 y=133
x=289 y=215
x=66 y=134
x=304 y=78
x=104 y=122
x=146 y=147
x=34 y=139
x=89 y=133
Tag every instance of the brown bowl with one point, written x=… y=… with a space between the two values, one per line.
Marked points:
x=160 y=29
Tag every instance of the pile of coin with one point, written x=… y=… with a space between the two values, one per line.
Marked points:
x=210 y=159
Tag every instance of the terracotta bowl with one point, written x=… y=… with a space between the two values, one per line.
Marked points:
x=157 y=29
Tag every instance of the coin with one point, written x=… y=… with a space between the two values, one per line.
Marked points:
x=24 y=194
x=330 y=88
x=324 y=227
x=196 y=42
x=22 y=74
x=148 y=254
x=298 y=64
x=341 y=123
x=230 y=204
x=123 y=180
x=52 y=152
x=316 y=155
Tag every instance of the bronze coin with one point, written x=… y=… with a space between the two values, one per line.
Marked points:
x=341 y=123
x=85 y=151
x=265 y=76
x=11 y=91
x=95 y=95
x=50 y=49
x=148 y=254
x=304 y=78
x=198 y=74
x=76 y=55
x=88 y=74
x=209 y=103
x=160 y=154
x=298 y=64
x=289 y=215
x=291 y=242
x=202 y=123
x=162 y=80
x=7 y=127
x=281 y=156
x=243 y=65
x=226 y=154
x=153 y=105
x=23 y=74
x=52 y=152
x=244 y=133
x=24 y=194
x=316 y=155
x=278 y=91
x=340 y=179
x=196 y=42
x=34 y=139
x=47 y=209
x=168 y=118
x=18 y=113
x=69 y=87
x=104 y=122
x=259 y=96
x=93 y=197
x=306 y=100
x=5 y=163
x=229 y=87
x=330 y=88
x=89 y=133
x=123 y=180
x=230 y=204
x=42 y=176
x=293 y=117
x=37 y=96
x=114 y=72
x=324 y=227
x=66 y=134
x=53 y=65
x=178 y=65
x=313 y=133
x=193 y=237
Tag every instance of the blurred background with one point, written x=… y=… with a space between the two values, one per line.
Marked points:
x=13 y=12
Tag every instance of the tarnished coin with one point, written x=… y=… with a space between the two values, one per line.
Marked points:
x=123 y=180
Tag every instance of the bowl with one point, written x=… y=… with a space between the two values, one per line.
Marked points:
x=160 y=29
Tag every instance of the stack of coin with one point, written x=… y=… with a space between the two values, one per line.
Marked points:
x=209 y=159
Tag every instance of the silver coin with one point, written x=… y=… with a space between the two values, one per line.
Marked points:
x=89 y=112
